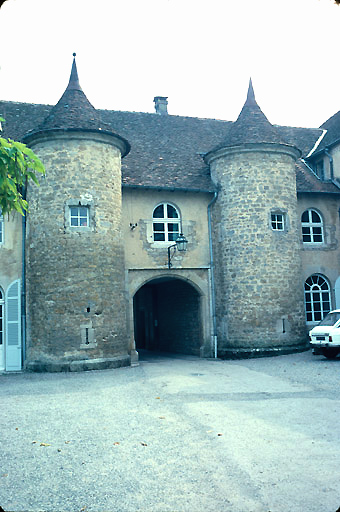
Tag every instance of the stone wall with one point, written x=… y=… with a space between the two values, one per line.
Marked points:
x=76 y=298
x=258 y=270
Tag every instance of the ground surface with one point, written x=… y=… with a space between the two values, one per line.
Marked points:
x=174 y=435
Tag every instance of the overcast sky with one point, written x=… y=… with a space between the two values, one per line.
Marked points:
x=199 y=53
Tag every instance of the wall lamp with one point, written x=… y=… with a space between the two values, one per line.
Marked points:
x=180 y=245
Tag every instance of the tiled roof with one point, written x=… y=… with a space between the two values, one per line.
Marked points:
x=166 y=151
x=307 y=181
x=303 y=138
x=251 y=126
x=73 y=111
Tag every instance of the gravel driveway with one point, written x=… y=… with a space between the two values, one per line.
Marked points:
x=175 y=434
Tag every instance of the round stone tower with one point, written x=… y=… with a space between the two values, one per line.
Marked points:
x=259 y=294
x=76 y=304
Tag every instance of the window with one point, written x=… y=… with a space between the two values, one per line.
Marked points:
x=312 y=228
x=166 y=223
x=317 y=298
x=319 y=169
x=278 y=221
x=79 y=216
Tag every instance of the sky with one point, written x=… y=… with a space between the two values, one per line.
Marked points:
x=199 y=53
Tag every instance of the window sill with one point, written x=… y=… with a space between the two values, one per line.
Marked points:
x=161 y=245
x=88 y=345
x=314 y=245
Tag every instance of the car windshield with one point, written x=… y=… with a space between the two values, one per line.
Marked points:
x=331 y=318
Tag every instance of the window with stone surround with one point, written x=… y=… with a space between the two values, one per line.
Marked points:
x=317 y=298
x=166 y=223
x=79 y=216
x=312 y=227
x=277 y=221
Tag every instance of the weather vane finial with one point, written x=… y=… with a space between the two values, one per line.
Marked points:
x=74 y=54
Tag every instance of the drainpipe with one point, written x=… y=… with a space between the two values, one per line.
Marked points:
x=212 y=276
x=23 y=283
x=330 y=163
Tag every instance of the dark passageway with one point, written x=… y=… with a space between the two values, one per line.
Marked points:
x=167 y=317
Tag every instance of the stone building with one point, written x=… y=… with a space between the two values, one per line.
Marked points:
x=93 y=274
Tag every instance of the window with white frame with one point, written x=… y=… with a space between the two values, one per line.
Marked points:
x=165 y=223
x=277 y=221
x=79 y=216
x=317 y=298
x=312 y=227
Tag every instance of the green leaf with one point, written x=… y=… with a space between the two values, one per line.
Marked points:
x=18 y=163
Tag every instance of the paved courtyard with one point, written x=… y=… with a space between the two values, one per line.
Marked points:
x=175 y=434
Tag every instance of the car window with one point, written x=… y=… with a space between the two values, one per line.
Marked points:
x=331 y=319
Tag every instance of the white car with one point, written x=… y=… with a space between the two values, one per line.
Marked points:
x=325 y=337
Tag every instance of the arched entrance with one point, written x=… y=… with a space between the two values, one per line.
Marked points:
x=167 y=317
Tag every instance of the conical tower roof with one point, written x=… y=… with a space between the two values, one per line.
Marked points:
x=251 y=126
x=73 y=110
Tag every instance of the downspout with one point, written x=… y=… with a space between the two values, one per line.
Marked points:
x=212 y=276
x=23 y=283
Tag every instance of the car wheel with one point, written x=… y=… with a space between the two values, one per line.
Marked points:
x=330 y=353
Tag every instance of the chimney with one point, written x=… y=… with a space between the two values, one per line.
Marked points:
x=161 y=104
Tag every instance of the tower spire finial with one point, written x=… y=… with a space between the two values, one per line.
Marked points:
x=251 y=95
x=74 y=80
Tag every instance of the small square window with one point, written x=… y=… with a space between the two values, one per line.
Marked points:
x=277 y=221
x=79 y=216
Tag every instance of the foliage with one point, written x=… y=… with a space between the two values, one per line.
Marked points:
x=18 y=164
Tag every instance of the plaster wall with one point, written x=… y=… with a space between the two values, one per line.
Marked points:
x=335 y=152
x=140 y=249
x=322 y=258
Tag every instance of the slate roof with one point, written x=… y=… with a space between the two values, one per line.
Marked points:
x=308 y=182
x=166 y=151
x=74 y=111
x=251 y=126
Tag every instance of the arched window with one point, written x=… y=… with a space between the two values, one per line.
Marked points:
x=317 y=298
x=312 y=227
x=166 y=223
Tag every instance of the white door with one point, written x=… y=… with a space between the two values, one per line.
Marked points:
x=2 y=338
x=13 y=327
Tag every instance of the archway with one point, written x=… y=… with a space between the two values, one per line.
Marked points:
x=167 y=317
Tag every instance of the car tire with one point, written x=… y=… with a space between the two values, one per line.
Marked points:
x=330 y=353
